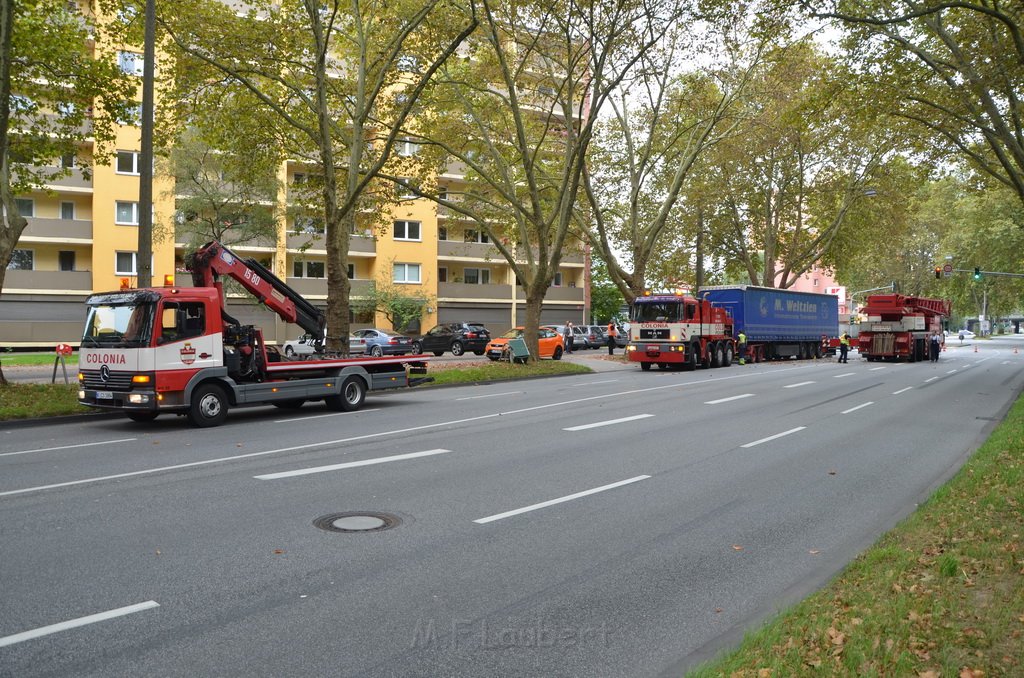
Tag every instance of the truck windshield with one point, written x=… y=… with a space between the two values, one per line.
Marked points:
x=119 y=325
x=657 y=311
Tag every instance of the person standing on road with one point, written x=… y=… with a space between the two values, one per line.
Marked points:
x=844 y=347
x=612 y=333
x=936 y=346
x=741 y=344
x=567 y=336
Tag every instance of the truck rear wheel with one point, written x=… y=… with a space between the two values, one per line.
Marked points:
x=209 y=406
x=353 y=393
x=719 y=357
x=728 y=355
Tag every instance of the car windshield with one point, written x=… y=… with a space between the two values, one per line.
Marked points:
x=656 y=311
x=119 y=325
x=514 y=333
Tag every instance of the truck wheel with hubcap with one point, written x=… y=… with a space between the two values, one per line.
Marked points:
x=353 y=393
x=728 y=356
x=209 y=406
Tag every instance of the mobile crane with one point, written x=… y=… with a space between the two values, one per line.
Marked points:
x=898 y=326
x=173 y=349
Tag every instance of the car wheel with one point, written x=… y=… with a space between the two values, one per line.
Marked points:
x=209 y=406
x=417 y=348
x=353 y=393
x=289 y=351
x=457 y=348
x=141 y=416
x=557 y=355
x=376 y=351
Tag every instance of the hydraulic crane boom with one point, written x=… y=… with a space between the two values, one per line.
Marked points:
x=213 y=260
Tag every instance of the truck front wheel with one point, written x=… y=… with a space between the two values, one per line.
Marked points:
x=209 y=406
x=353 y=393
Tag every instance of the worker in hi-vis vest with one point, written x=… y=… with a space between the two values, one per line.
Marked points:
x=741 y=342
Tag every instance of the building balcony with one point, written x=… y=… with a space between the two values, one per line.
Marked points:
x=471 y=250
x=75 y=180
x=43 y=281
x=75 y=229
x=317 y=287
x=570 y=294
x=454 y=290
x=357 y=244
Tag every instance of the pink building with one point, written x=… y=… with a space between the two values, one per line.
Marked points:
x=820 y=280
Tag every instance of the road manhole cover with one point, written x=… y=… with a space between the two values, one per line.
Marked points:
x=357 y=521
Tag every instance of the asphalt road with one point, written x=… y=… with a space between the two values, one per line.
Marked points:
x=620 y=524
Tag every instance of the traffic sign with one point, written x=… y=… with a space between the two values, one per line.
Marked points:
x=947 y=269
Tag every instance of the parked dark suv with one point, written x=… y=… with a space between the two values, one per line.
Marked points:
x=455 y=337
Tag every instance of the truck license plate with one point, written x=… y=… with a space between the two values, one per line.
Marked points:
x=104 y=395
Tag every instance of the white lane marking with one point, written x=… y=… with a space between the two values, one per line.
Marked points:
x=490 y=395
x=725 y=400
x=382 y=434
x=350 y=464
x=877 y=368
x=931 y=379
x=607 y=423
x=321 y=416
x=844 y=374
x=801 y=383
x=902 y=390
x=854 y=409
x=777 y=435
x=603 y=381
x=951 y=372
x=552 y=502
x=73 y=623
x=68 y=447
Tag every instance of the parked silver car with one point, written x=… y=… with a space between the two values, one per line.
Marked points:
x=304 y=345
x=382 y=342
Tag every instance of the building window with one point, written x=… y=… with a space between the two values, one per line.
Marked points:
x=477 y=276
x=442 y=274
x=298 y=179
x=406 y=189
x=125 y=263
x=67 y=210
x=442 y=232
x=309 y=225
x=130 y=63
x=66 y=260
x=557 y=282
x=130 y=115
x=406 y=273
x=473 y=235
x=67 y=161
x=407 y=230
x=816 y=281
x=351 y=271
x=126 y=213
x=127 y=162
x=406 y=148
x=26 y=207
x=21 y=260
x=308 y=269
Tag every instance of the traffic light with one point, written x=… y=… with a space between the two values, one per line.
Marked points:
x=977 y=273
x=938 y=272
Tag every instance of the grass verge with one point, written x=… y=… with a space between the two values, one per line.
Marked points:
x=24 y=401
x=35 y=359
x=942 y=594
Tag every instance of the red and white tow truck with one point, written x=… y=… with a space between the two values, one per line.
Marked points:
x=678 y=330
x=174 y=349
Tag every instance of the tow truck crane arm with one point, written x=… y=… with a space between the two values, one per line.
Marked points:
x=213 y=260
